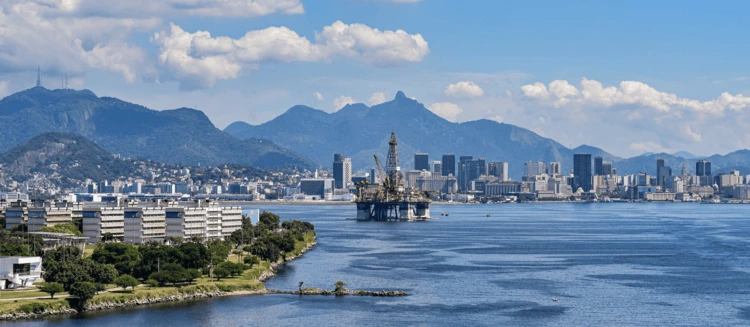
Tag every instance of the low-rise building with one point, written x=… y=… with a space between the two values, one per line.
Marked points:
x=17 y=272
x=186 y=222
x=144 y=225
x=98 y=221
x=39 y=217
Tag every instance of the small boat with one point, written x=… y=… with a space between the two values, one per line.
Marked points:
x=489 y=215
x=554 y=300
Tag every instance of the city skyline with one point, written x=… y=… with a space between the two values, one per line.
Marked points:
x=600 y=82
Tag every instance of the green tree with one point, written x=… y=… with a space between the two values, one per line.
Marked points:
x=14 y=250
x=339 y=287
x=268 y=221
x=68 y=228
x=126 y=281
x=108 y=237
x=251 y=260
x=51 y=288
x=170 y=273
x=221 y=272
x=151 y=283
x=67 y=273
x=219 y=251
x=192 y=274
x=100 y=273
x=83 y=291
x=238 y=253
x=125 y=257
x=194 y=255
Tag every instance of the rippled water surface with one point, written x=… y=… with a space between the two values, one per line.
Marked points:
x=607 y=264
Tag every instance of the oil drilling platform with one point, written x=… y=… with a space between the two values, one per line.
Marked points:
x=388 y=200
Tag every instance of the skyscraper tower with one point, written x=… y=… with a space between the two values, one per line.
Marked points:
x=659 y=172
x=598 y=163
x=421 y=161
x=703 y=168
x=448 y=166
x=582 y=172
x=342 y=171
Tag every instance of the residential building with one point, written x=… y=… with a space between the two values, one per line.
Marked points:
x=554 y=169
x=598 y=166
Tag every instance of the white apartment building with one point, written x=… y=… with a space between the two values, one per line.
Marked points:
x=231 y=220
x=186 y=222
x=98 y=221
x=144 y=224
x=48 y=216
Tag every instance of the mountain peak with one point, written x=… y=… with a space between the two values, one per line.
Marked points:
x=400 y=95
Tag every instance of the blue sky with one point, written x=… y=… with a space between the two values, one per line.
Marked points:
x=629 y=77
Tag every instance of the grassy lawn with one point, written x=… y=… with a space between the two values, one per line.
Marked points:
x=89 y=250
x=13 y=294
x=27 y=306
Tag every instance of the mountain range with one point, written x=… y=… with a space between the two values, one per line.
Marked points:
x=179 y=136
x=68 y=160
x=359 y=131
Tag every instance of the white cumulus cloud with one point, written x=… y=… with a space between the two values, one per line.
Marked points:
x=447 y=110
x=198 y=60
x=463 y=89
x=341 y=102
x=318 y=96
x=377 y=98
x=593 y=94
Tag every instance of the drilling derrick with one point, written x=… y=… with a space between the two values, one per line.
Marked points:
x=388 y=200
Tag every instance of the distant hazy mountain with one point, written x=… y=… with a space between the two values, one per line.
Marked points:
x=686 y=155
x=360 y=131
x=183 y=135
x=738 y=160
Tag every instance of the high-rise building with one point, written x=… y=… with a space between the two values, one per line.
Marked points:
x=437 y=167
x=373 y=178
x=703 y=168
x=607 y=168
x=663 y=173
x=534 y=168
x=463 y=171
x=499 y=170
x=342 y=171
x=421 y=161
x=598 y=169
x=554 y=168
x=582 y=172
x=448 y=166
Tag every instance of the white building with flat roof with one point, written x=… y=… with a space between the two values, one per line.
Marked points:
x=17 y=272
x=98 y=221
x=144 y=224
x=186 y=222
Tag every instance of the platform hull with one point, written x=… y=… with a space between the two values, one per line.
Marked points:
x=393 y=211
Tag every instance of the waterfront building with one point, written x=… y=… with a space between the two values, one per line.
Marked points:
x=231 y=220
x=437 y=183
x=448 y=165
x=502 y=188
x=582 y=172
x=463 y=171
x=342 y=171
x=421 y=161
x=663 y=173
x=411 y=176
x=17 y=272
x=316 y=186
